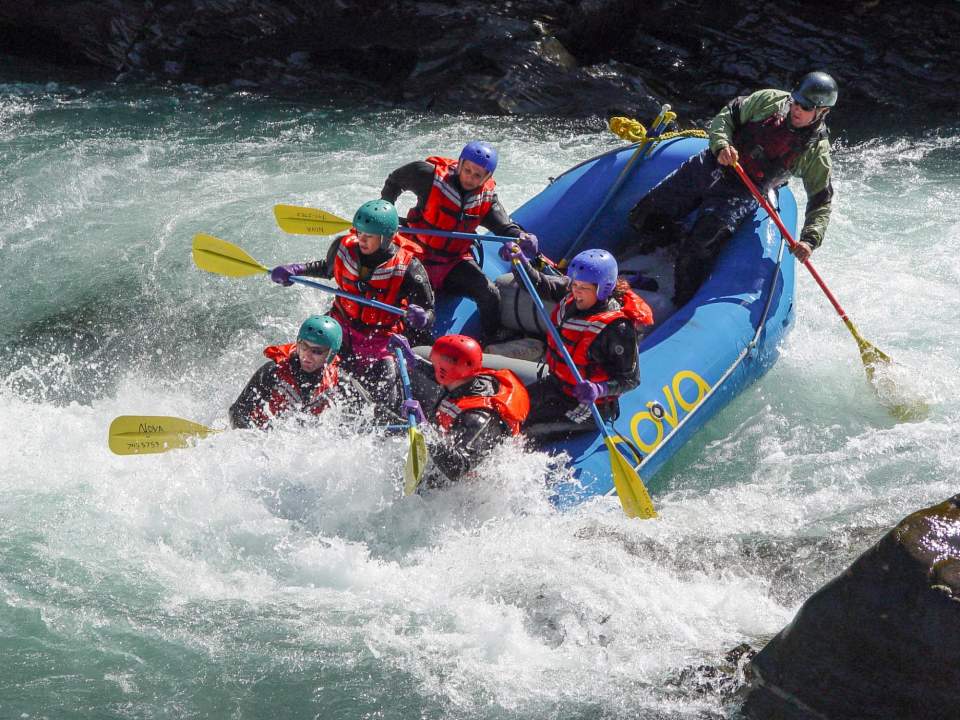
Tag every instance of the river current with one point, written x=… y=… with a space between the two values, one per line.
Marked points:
x=282 y=574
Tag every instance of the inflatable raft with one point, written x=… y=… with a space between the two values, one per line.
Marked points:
x=696 y=358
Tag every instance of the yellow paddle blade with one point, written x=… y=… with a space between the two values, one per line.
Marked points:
x=416 y=461
x=892 y=387
x=308 y=221
x=144 y=434
x=633 y=493
x=218 y=256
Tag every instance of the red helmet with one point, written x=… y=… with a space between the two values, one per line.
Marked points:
x=455 y=357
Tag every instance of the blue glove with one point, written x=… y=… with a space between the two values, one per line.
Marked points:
x=529 y=244
x=587 y=392
x=417 y=316
x=508 y=250
x=412 y=406
x=400 y=342
x=281 y=273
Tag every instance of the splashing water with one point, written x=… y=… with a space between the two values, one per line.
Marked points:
x=284 y=575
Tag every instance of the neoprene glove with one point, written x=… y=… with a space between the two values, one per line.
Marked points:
x=413 y=406
x=400 y=342
x=281 y=273
x=587 y=392
x=417 y=316
x=529 y=244
x=507 y=251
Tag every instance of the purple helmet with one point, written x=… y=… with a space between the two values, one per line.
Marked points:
x=480 y=153
x=598 y=267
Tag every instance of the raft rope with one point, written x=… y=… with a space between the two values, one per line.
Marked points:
x=634 y=130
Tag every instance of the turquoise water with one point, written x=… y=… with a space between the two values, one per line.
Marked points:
x=283 y=575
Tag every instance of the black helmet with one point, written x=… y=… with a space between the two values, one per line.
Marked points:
x=816 y=90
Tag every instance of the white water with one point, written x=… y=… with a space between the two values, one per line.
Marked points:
x=283 y=574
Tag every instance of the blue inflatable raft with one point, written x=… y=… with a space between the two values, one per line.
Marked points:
x=697 y=358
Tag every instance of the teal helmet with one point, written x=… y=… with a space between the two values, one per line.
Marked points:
x=377 y=217
x=322 y=330
x=815 y=90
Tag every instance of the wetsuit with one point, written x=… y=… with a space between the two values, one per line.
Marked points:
x=281 y=386
x=464 y=278
x=374 y=366
x=611 y=356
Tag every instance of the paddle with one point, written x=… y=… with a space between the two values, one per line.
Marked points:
x=223 y=258
x=309 y=221
x=633 y=494
x=871 y=356
x=662 y=121
x=145 y=434
x=417 y=454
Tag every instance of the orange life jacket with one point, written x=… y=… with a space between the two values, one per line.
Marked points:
x=447 y=209
x=382 y=285
x=511 y=402
x=578 y=334
x=288 y=394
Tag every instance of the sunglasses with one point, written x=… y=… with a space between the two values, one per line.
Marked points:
x=804 y=106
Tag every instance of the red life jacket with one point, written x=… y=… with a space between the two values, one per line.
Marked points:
x=382 y=285
x=578 y=334
x=447 y=209
x=511 y=403
x=768 y=148
x=288 y=394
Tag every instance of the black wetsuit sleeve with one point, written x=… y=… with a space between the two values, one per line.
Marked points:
x=499 y=222
x=549 y=287
x=416 y=177
x=472 y=436
x=253 y=397
x=323 y=268
x=416 y=288
x=616 y=350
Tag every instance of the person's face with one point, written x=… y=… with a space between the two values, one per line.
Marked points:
x=368 y=243
x=312 y=356
x=801 y=117
x=584 y=294
x=472 y=175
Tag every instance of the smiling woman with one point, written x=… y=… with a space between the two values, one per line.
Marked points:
x=283 y=573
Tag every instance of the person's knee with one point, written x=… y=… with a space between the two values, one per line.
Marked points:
x=709 y=233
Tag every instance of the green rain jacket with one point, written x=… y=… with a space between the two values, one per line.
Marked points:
x=812 y=166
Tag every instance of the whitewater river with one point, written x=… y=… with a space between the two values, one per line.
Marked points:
x=282 y=575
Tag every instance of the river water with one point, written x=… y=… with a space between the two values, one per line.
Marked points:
x=282 y=575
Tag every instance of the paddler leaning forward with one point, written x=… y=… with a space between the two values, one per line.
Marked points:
x=369 y=262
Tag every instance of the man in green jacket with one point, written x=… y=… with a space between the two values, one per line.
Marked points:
x=773 y=134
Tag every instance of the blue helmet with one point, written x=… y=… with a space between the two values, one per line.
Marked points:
x=598 y=267
x=480 y=153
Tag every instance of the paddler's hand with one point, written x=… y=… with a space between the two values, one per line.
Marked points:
x=508 y=251
x=529 y=245
x=412 y=406
x=587 y=392
x=416 y=316
x=802 y=251
x=728 y=156
x=400 y=342
x=281 y=273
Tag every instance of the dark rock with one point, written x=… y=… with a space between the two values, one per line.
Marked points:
x=879 y=642
x=578 y=58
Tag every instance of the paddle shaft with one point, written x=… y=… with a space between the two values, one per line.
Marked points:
x=403 y=230
x=405 y=382
x=618 y=183
x=349 y=296
x=775 y=216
